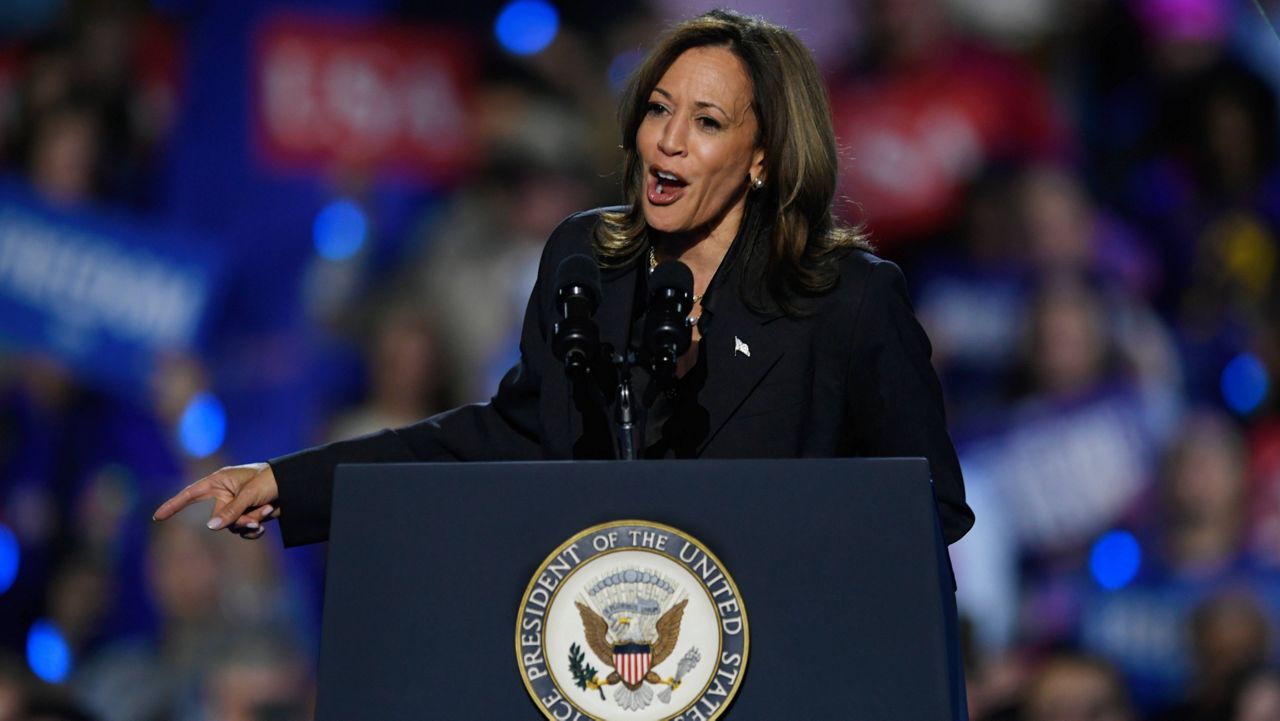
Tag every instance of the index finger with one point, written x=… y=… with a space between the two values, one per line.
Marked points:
x=201 y=490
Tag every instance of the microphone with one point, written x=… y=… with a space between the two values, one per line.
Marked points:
x=575 y=339
x=667 y=333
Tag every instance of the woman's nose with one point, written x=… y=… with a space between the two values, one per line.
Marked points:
x=672 y=140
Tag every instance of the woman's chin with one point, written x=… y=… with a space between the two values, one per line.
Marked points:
x=662 y=222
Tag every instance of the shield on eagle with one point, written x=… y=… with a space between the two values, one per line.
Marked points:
x=631 y=661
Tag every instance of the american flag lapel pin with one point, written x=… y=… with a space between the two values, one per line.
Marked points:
x=740 y=347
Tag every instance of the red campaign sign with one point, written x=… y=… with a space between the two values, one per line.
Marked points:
x=336 y=93
x=913 y=140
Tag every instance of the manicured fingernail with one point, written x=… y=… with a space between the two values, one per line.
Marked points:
x=252 y=524
x=214 y=524
x=267 y=510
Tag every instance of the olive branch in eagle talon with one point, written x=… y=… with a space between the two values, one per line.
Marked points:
x=584 y=674
x=596 y=629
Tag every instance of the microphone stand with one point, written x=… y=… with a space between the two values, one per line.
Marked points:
x=576 y=338
x=626 y=419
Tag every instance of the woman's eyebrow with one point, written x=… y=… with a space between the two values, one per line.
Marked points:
x=709 y=104
x=700 y=103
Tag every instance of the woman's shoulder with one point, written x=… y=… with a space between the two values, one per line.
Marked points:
x=588 y=218
x=868 y=285
x=574 y=234
x=861 y=269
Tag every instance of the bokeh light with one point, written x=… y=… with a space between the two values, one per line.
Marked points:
x=48 y=654
x=526 y=27
x=9 y=556
x=1244 y=383
x=1115 y=559
x=203 y=425
x=340 y=229
x=621 y=67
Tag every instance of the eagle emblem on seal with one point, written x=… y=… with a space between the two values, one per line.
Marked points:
x=631 y=620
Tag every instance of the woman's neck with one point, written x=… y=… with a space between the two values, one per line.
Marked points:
x=702 y=250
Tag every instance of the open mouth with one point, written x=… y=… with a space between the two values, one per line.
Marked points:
x=664 y=186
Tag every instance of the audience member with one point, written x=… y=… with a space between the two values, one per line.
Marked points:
x=1071 y=687
x=407 y=377
x=1231 y=636
x=1259 y=697
x=256 y=677
x=1196 y=550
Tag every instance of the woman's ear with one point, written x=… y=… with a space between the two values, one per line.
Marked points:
x=757 y=165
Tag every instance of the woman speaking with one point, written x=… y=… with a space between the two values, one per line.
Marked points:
x=803 y=343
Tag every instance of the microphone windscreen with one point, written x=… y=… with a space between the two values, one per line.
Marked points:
x=672 y=274
x=581 y=270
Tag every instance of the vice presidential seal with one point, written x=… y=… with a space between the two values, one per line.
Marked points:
x=633 y=621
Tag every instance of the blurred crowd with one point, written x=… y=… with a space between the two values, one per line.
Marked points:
x=1085 y=196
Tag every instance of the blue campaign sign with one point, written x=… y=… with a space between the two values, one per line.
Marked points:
x=103 y=293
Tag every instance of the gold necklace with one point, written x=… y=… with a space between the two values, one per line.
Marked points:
x=653 y=263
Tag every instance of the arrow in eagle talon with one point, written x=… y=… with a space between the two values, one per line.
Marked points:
x=686 y=665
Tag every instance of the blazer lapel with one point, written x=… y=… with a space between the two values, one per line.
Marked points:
x=739 y=350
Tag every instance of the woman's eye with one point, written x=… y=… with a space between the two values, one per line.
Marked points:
x=656 y=109
x=709 y=123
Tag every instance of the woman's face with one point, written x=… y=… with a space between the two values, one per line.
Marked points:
x=697 y=145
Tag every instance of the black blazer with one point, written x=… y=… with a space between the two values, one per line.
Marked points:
x=852 y=378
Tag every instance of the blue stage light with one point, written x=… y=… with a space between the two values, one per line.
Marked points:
x=203 y=425
x=9 y=555
x=525 y=27
x=48 y=654
x=621 y=67
x=1244 y=383
x=1115 y=559
x=340 y=229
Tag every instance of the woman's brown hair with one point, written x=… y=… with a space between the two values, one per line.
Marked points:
x=791 y=215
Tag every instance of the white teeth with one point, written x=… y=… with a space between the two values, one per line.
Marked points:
x=659 y=187
x=666 y=176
